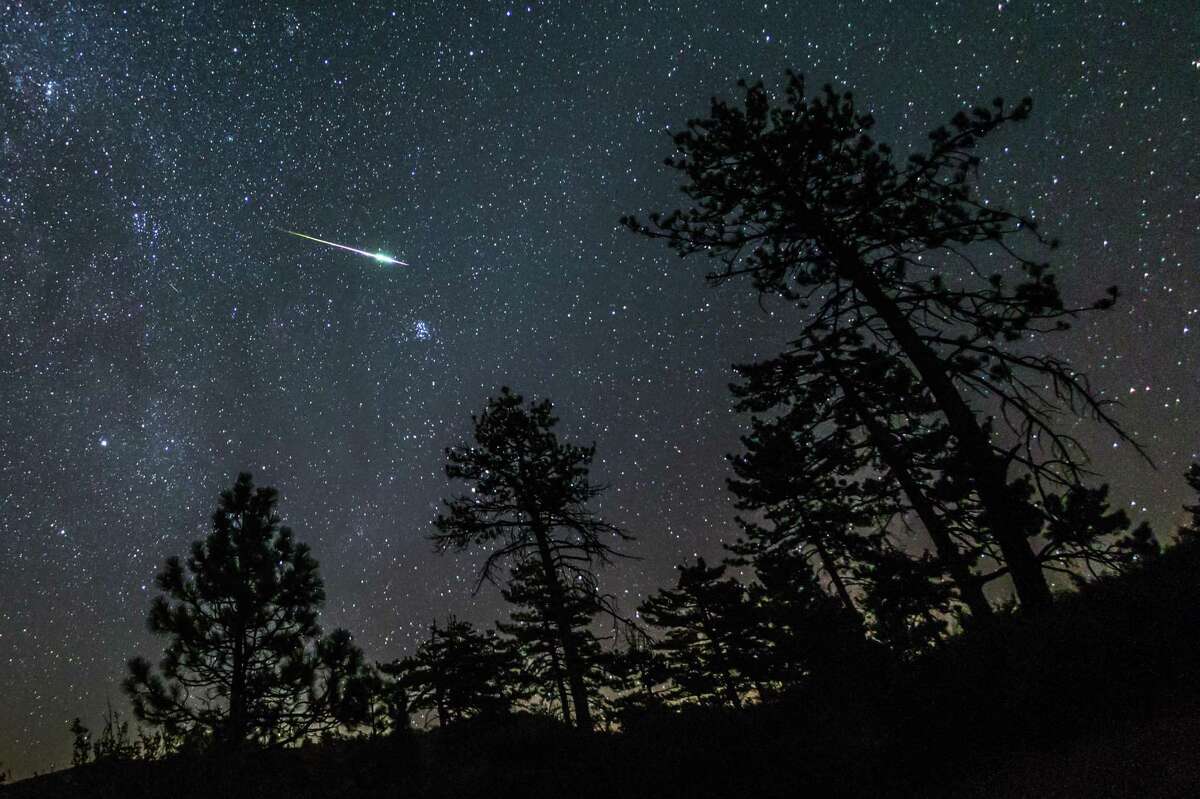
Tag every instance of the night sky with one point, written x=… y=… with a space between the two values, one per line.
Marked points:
x=158 y=334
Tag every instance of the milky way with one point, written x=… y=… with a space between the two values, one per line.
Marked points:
x=158 y=336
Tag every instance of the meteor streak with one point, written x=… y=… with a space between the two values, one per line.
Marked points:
x=378 y=256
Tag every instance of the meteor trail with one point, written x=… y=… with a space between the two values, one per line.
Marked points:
x=378 y=256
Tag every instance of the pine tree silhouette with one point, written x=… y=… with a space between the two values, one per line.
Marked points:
x=800 y=631
x=848 y=430
x=245 y=663
x=800 y=198
x=1192 y=528
x=708 y=643
x=529 y=501
x=457 y=673
x=533 y=632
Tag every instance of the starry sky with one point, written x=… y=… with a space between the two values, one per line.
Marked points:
x=158 y=333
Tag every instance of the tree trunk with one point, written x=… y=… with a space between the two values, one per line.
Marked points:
x=443 y=711
x=970 y=589
x=556 y=670
x=237 y=691
x=558 y=607
x=835 y=577
x=990 y=471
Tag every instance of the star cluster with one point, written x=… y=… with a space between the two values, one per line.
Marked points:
x=158 y=333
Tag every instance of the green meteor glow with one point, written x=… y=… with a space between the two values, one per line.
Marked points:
x=378 y=256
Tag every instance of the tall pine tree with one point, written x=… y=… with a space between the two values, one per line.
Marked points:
x=528 y=500
x=800 y=198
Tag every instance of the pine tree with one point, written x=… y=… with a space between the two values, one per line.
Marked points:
x=637 y=679
x=801 y=199
x=390 y=711
x=1192 y=528
x=349 y=688
x=821 y=495
x=458 y=673
x=800 y=631
x=708 y=646
x=907 y=605
x=529 y=501
x=244 y=664
x=851 y=431
x=534 y=635
x=81 y=743
x=1080 y=528
x=798 y=489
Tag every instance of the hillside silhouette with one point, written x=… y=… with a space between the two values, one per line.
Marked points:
x=1095 y=697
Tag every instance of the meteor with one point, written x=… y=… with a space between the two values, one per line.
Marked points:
x=378 y=256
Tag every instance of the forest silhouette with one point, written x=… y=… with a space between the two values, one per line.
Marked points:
x=909 y=492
